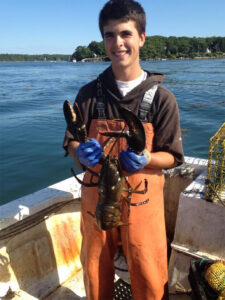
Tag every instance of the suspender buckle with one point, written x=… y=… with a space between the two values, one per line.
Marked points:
x=100 y=107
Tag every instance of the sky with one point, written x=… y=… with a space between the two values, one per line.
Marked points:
x=59 y=26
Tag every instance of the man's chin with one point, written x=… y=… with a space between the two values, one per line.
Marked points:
x=120 y=64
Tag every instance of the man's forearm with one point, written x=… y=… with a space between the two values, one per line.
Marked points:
x=72 y=148
x=160 y=160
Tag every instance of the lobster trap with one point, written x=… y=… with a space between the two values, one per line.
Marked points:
x=215 y=181
x=207 y=279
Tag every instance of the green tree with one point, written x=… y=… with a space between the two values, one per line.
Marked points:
x=157 y=46
x=198 y=45
x=218 y=44
x=82 y=52
x=184 y=47
x=171 y=46
x=97 y=47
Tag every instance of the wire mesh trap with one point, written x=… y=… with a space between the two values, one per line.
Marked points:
x=215 y=180
x=207 y=279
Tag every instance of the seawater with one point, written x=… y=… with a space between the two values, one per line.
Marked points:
x=32 y=122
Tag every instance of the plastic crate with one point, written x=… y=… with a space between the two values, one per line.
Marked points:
x=122 y=290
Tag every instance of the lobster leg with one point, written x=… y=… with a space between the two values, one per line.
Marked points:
x=91 y=184
x=131 y=191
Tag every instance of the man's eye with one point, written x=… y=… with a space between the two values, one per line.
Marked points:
x=108 y=35
x=127 y=33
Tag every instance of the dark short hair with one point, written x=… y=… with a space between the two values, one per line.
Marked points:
x=124 y=10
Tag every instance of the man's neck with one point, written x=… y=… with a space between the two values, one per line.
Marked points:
x=127 y=74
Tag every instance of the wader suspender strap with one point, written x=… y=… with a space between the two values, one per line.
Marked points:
x=100 y=104
x=145 y=106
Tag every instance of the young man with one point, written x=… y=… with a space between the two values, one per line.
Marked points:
x=125 y=83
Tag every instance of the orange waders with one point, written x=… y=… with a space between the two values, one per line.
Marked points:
x=143 y=240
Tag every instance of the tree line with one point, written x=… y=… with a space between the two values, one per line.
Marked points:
x=156 y=47
x=35 y=57
x=162 y=47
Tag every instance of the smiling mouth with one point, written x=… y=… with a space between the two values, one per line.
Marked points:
x=120 y=53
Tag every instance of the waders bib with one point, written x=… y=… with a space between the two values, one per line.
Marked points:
x=143 y=240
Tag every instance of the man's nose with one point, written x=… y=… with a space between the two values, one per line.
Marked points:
x=118 y=40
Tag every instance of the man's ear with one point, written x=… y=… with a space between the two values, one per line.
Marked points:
x=142 y=39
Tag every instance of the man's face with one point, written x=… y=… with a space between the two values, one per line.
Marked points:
x=122 y=44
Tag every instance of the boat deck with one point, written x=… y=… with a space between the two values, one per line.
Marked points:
x=40 y=237
x=72 y=289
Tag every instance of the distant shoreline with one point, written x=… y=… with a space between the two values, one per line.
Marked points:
x=156 y=47
x=5 y=57
x=151 y=59
x=187 y=58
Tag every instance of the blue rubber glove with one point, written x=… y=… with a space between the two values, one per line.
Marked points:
x=132 y=162
x=89 y=153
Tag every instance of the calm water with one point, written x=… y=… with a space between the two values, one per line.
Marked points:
x=32 y=122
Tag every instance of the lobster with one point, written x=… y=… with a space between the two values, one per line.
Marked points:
x=110 y=179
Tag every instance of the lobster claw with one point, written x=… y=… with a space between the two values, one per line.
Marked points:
x=70 y=116
x=74 y=121
x=135 y=136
